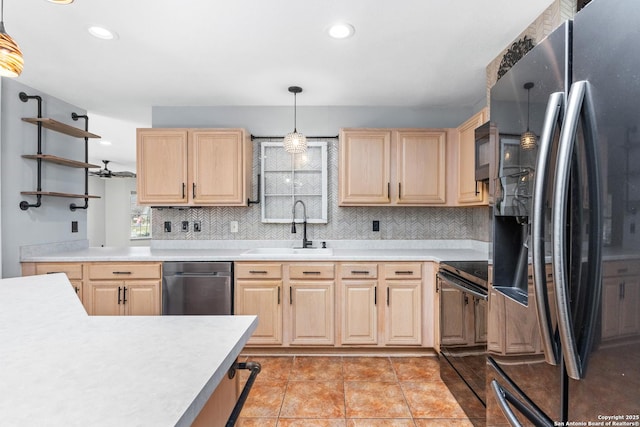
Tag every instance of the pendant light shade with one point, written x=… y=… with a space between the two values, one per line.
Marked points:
x=11 y=62
x=528 y=140
x=295 y=142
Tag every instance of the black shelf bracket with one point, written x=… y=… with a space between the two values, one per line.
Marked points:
x=24 y=205
x=257 y=200
x=73 y=206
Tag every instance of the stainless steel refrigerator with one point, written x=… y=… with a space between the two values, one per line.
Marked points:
x=566 y=235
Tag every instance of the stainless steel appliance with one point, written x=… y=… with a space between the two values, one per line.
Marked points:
x=462 y=286
x=483 y=155
x=204 y=288
x=570 y=206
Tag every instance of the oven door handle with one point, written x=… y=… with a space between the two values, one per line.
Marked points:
x=553 y=114
x=453 y=282
x=504 y=398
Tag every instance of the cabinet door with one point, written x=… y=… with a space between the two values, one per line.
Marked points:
x=261 y=298
x=420 y=167
x=611 y=306
x=495 y=322
x=629 y=306
x=480 y=320
x=468 y=192
x=217 y=168
x=312 y=312
x=403 y=320
x=359 y=312
x=162 y=166
x=522 y=334
x=104 y=298
x=453 y=322
x=364 y=167
x=142 y=298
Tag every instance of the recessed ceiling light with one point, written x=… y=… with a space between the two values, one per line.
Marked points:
x=341 y=30
x=61 y=1
x=105 y=142
x=101 y=32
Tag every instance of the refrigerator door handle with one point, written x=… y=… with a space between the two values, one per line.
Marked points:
x=553 y=114
x=579 y=105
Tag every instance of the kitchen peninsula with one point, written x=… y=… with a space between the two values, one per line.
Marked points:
x=59 y=366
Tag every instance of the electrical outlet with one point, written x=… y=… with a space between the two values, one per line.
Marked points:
x=185 y=226
x=233 y=226
x=74 y=226
x=167 y=226
x=376 y=225
x=196 y=226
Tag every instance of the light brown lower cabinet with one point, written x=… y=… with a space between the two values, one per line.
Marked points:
x=106 y=288
x=359 y=303
x=403 y=305
x=72 y=270
x=258 y=291
x=324 y=300
x=620 y=296
x=311 y=310
x=513 y=327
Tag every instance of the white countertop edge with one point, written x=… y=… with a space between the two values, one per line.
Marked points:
x=37 y=313
x=201 y=399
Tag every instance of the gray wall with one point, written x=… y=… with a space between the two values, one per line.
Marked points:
x=51 y=222
x=349 y=223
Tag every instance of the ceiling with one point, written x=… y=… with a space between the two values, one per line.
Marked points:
x=413 y=53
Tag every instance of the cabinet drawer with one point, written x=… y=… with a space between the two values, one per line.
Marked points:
x=403 y=271
x=124 y=271
x=621 y=268
x=73 y=271
x=359 y=271
x=258 y=271
x=311 y=271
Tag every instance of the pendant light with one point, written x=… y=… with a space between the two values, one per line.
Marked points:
x=295 y=142
x=11 y=62
x=528 y=140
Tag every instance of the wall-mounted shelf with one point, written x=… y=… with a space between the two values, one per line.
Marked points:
x=60 y=127
x=55 y=194
x=60 y=161
x=56 y=126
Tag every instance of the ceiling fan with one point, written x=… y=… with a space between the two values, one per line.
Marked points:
x=107 y=173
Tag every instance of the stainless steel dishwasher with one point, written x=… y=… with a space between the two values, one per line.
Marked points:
x=204 y=288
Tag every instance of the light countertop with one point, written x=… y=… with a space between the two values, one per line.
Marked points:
x=362 y=251
x=59 y=366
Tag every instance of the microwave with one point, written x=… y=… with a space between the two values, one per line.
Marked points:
x=483 y=151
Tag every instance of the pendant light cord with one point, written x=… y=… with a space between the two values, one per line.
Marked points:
x=295 y=111
x=528 y=107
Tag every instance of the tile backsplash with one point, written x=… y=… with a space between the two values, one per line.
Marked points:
x=345 y=223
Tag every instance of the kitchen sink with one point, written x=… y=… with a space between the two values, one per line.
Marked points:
x=302 y=252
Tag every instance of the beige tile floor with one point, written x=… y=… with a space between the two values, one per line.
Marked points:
x=346 y=391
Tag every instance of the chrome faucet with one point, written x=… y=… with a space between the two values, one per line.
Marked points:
x=305 y=243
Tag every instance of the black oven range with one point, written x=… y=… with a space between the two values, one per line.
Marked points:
x=462 y=288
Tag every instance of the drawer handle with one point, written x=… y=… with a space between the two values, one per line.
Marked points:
x=257 y=272
x=398 y=272
x=359 y=272
x=124 y=293
x=121 y=272
x=311 y=272
x=119 y=291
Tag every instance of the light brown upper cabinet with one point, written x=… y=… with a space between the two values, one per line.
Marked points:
x=469 y=193
x=196 y=167
x=397 y=167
